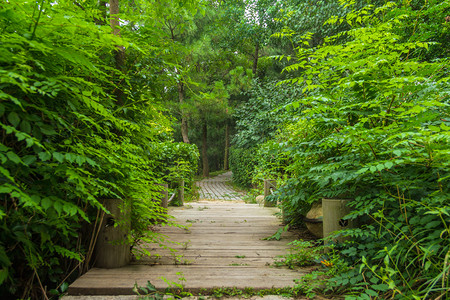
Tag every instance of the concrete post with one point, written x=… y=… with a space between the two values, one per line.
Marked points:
x=334 y=211
x=268 y=184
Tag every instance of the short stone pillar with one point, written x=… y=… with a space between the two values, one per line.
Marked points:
x=111 y=249
x=268 y=185
x=334 y=210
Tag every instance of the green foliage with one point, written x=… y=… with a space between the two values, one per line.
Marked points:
x=258 y=118
x=277 y=235
x=148 y=291
x=328 y=265
x=68 y=141
x=323 y=279
x=302 y=253
x=174 y=161
x=257 y=121
x=242 y=162
x=374 y=127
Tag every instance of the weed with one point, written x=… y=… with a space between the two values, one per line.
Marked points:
x=240 y=256
x=302 y=253
x=249 y=292
x=325 y=277
x=180 y=260
x=149 y=291
x=177 y=289
x=186 y=245
x=277 y=235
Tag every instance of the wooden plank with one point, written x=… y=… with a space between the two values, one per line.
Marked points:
x=194 y=278
x=208 y=261
x=223 y=246
x=208 y=252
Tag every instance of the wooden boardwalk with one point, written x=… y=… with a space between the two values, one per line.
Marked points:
x=223 y=246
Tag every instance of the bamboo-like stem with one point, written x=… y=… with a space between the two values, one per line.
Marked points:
x=41 y=8
x=40 y=284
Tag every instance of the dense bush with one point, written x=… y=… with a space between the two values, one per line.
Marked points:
x=374 y=127
x=68 y=140
x=257 y=121
x=242 y=163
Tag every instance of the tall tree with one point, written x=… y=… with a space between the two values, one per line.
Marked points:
x=251 y=24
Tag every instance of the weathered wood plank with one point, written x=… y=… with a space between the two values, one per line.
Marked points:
x=193 y=277
x=271 y=252
x=223 y=246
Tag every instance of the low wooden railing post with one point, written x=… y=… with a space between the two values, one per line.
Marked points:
x=181 y=192
x=112 y=249
x=164 y=195
x=269 y=186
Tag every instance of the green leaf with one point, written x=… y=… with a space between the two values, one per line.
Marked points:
x=13 y=157
x=71 y=157
x=6 y=173
x=25 y=126
x=58 y=156
x=434 y=128
x=58 y=206
x=48 y=130
x=64 y=287
x=13 y=118
x=371 y=293
x=44 y=156
x=70 y=209
x=6 y=189
x=80 y=160
x=46 y=203
x=380 y=287
x=3 y=274
x=364 y=297
x=29 y=159
x=444 y=127
x=30 y=142
x=388 y=164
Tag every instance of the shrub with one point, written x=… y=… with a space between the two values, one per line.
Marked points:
x=381 y=136
x=242 y=163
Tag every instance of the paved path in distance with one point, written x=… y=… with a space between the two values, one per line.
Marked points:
x=218 y=188
x=222 y=246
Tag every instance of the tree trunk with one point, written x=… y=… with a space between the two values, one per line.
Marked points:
x=227 y=147
x=114 y=13
x=205 y=150
x=119 y=56
x=255 y=60
x=184 y=124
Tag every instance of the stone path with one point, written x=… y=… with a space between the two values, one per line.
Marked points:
x=222 y=246
x=218 y=188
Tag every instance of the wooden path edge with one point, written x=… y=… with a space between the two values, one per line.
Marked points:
x=217 y=228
